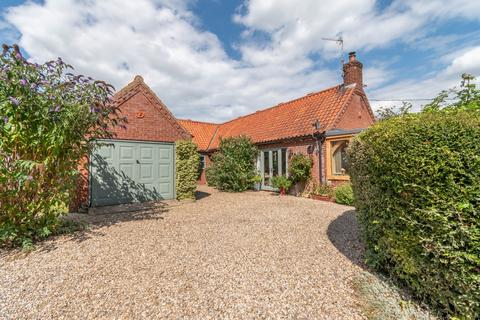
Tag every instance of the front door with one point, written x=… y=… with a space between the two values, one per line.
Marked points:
x=273 y=162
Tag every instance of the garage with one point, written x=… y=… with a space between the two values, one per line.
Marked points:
x=137 y=162
x=129 y=171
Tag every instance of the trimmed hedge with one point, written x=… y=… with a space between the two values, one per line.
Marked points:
x=416 y=181
x=187 y=160
x=233 y=165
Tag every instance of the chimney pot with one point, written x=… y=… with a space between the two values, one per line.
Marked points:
x=352 y=56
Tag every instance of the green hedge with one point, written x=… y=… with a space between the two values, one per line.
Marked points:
x=233 y=165
x=187 y=159
x=416 y=181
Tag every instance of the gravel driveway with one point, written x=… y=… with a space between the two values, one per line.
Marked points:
x=226 y=256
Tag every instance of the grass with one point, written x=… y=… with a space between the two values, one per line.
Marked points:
x=380 y=298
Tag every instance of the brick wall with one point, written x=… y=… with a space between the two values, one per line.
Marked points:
x=356 y=115
x=147 y=122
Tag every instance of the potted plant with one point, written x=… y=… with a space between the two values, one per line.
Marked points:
x=323 y=192
x=257 y=182
x=282 y=183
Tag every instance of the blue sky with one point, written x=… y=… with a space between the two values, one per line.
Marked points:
x=214 y=60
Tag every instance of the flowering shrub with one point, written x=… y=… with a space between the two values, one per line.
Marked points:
x=49 y=119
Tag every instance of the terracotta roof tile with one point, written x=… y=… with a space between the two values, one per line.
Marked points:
x=290 y=119
x=202 y=132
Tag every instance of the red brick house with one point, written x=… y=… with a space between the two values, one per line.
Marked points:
x=138 y=165
x=325 y=120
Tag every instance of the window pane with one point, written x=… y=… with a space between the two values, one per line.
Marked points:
x=275 y=163
x=284 y=162
x=266 y=168
x=339 y=157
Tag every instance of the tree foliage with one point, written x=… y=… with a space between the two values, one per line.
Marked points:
x=466 y=97
x=233 y=165
x=50 y=119
x=187 y=162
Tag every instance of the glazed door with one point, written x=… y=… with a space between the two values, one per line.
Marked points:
x=273 y=163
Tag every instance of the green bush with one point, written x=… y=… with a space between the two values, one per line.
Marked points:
x=210 y=176
x=300 y=168
x=416 y=180
x=187 y=159
x=50 y=120
x=344 y=194
x=233 y=165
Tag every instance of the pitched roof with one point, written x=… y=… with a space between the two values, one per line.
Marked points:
x=202 y=132
x=139 y=86
x=290 y=119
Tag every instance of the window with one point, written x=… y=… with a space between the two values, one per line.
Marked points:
x=339 y=157
x=336 y=158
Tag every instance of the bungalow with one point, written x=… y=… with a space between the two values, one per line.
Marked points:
x=139 y=165
x=320 y=124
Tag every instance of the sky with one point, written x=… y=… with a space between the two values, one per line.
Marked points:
x=214 y=60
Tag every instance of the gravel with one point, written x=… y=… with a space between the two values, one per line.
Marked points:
x=227 y=256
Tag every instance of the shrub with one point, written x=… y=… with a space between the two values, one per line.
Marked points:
x=282 y=183
x=324 y=190
x=300 y=168
x=50 y=120
x=187 y=162
x=344 y=194
x=233 y=166
x=210 y=176
x=416 y=180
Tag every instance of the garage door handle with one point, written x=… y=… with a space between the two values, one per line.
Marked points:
x=138 y=162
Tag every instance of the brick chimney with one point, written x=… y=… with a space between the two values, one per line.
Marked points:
x=352 y=71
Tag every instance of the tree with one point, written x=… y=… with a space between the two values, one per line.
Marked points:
x=466 y=97
x=50 y=120
x=385 y=113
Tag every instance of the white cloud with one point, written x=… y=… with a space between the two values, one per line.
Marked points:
x=189 y=68
x=299 y=28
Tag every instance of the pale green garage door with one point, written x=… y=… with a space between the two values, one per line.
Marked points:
x=125 y=172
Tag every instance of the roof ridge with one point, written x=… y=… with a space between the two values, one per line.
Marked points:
x=282 y=103
x=197 y=121
x=213 y=137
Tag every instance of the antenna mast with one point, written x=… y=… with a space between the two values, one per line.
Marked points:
x=339 y=41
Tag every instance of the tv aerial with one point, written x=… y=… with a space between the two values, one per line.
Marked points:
x=339 y=41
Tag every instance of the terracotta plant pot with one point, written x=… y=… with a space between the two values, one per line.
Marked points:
x=321 y=198
x=283 y=191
